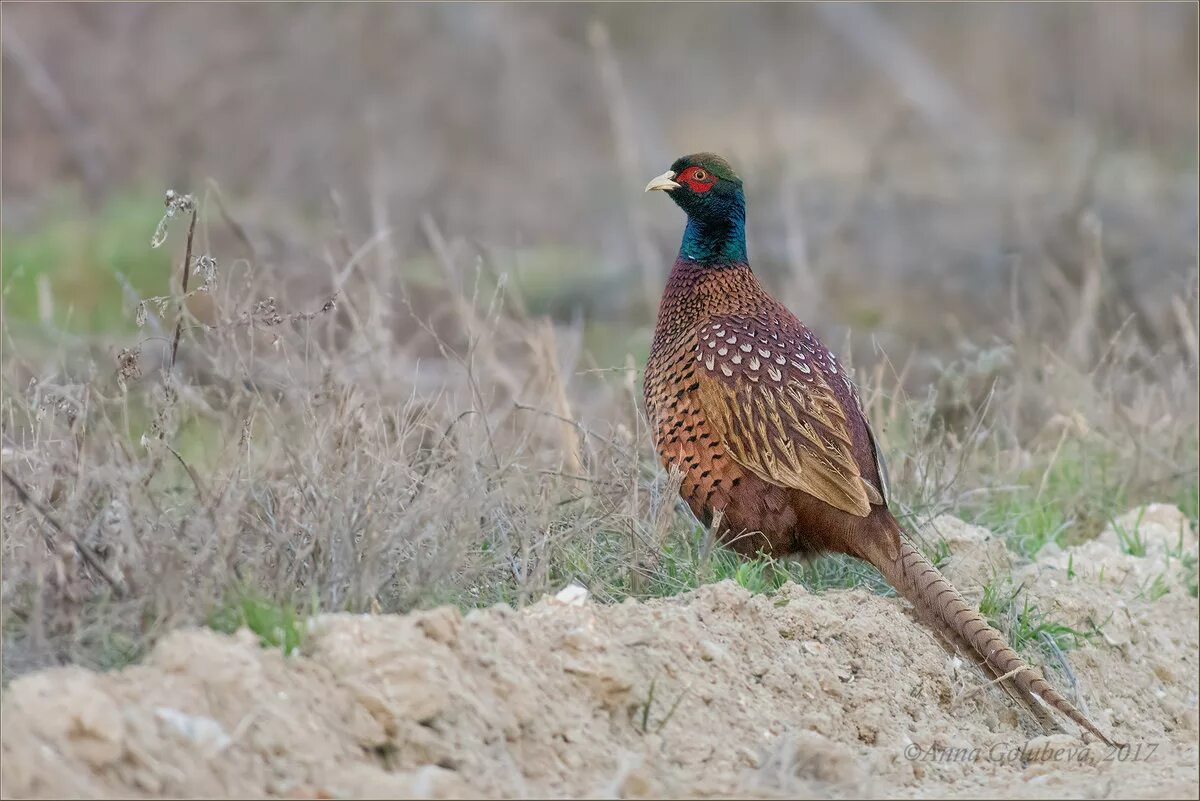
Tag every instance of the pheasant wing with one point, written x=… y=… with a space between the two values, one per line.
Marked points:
x=766 y=387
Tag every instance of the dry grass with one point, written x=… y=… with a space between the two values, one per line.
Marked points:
x=423 y=386
x=319 y=459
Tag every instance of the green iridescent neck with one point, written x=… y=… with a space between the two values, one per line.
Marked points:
x=717 y=236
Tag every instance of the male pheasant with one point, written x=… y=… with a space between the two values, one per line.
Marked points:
x=769 y=430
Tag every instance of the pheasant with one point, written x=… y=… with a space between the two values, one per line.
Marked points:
x=769 y=431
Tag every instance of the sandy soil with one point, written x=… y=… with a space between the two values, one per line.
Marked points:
x=714 y=693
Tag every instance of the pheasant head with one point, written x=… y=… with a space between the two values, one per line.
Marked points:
x=710 y=193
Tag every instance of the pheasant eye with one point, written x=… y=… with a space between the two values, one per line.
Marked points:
x=699 y=175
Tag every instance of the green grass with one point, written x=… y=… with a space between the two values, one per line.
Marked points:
x=1069 y=502
x=80 y=255
x=1157 y=588
x=640 y=714
x=119 y=650
x=1187 y=498
x=1130 y=540
x=86 y=259
x=1025 y=624
x=993 y=603
x=1031 y=624
x=277 y=625
x=940 y=553
x=682 y=568
x=1191 y=577
x=683 y=565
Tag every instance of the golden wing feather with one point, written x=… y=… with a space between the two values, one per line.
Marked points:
x=777 y=414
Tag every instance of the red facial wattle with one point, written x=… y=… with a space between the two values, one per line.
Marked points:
x=697 y=179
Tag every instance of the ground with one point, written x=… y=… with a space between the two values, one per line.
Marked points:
x=714 y=693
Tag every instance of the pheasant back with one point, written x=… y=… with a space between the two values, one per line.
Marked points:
x=749 y=404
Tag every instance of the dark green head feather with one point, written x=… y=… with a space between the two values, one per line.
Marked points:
x=709 y=161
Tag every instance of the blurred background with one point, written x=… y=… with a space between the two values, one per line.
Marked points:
x=422 y=249
x=905 y=164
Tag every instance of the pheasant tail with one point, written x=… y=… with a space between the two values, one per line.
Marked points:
x=942 y=607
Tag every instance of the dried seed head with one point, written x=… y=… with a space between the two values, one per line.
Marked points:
x=175 y=203
x=69 y=411
x=205 y=269
x=166 y=418
x=129 y=366
x=267 y=313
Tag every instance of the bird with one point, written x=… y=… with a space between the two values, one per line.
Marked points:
x=768 y=430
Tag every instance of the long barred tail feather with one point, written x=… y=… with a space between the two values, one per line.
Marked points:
x=942 y=607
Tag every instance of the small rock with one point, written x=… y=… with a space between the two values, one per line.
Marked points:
x=195 y=729
x=572 y=595
x=813 y=647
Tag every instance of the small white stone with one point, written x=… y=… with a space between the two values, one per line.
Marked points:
x=572 y=595
x=202 y=731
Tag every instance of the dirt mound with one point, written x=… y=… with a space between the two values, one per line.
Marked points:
x=714 y=693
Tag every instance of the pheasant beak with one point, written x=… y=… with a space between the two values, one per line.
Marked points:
x=663 y=182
